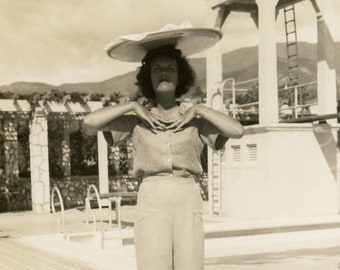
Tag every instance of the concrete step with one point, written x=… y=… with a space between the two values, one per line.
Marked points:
x=93 y=255
x=235 y=226
x=80 y=237
x=271 y=243
x=234 y=237
x=109 y=239
x=239 y=237
x=3 y=234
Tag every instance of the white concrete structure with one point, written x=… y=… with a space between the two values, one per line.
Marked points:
x=277 y=170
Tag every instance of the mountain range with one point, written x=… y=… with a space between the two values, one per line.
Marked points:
x=240 y=64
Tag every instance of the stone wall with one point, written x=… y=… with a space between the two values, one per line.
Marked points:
x=74 y=190
x=16 y=198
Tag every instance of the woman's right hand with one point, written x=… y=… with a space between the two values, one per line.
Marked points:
x=147 y=117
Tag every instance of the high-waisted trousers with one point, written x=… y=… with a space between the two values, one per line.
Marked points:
x=168 y=230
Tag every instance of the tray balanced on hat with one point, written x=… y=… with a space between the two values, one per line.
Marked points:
x=132 y=48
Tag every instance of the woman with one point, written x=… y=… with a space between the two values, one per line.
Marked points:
x=167 y=141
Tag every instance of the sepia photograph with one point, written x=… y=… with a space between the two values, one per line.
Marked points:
x=170 y=135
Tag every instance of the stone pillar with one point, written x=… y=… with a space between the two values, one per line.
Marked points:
x=116 y=158
x=129 y=150
x=40 y=177
x=268 y=90
x=326 y=73
x=103 y=163
x=65 y=148
x=11 y=167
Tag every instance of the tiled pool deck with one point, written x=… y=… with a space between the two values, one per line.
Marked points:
x=32 y=241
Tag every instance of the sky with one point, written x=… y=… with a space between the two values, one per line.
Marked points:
x=62 y=41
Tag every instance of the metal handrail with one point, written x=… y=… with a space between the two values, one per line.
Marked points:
x=89 y=209
x=312 y=118
x=247 y=104
x=235 y=108
x=55 y=190
x=299 y=85
x=247 y=81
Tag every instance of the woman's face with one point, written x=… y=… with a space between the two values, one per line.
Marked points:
x=164 y=72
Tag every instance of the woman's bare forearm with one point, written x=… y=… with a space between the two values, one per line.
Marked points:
x=103 y=116
x=228 y=126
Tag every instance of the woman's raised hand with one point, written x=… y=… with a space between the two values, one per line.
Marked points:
x=148 y=118
x=186 y=118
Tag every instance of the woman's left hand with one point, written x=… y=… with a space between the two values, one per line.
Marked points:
x=228 y=126
x=186 y=118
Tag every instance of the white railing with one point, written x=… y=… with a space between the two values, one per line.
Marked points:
x=92 y=192
x=286 y=111
x=61 y=227
x=296 y=110
x=234 y=90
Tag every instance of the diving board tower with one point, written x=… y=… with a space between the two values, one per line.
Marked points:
x=277 y=169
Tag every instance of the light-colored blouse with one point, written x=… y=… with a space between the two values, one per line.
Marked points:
x=164 y=152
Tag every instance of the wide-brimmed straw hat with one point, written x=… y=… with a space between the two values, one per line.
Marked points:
x=189 y=40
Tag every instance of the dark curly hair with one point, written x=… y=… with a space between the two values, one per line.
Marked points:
x=186 y=74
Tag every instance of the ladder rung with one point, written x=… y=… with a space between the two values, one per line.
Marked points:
x=291 y=39
x=286 y=9
x=289 y=13
x=292 y=62
x=291 y=53
x=291 y=43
